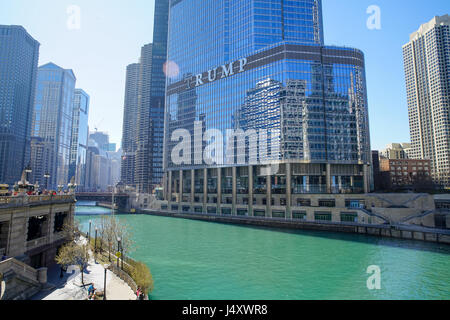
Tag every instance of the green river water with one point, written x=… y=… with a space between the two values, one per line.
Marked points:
x=200 y=260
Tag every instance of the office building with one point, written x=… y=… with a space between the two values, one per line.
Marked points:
x=150 y=122
x=19 y=55
x=80 y=135
x=52 y=125
x=426 y=61
x=397 y=151
x=261 y=68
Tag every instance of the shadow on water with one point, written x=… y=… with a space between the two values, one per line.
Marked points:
x=359 y=238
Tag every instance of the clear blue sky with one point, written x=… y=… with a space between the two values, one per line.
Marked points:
x=113 y=31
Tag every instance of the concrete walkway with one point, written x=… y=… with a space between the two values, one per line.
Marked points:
x=70 y=288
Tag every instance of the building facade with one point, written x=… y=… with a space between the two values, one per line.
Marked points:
x=150 y=122
x=405 y=172
x=80 y=136
x=19 y=54
x=426 y=61
x=397 y=151
x=130 y=116
x=52 y=125
x=259 y=70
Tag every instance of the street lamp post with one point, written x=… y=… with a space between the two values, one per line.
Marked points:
x=118 y=250
x=89 y=234
x=28 y=170
x=104 y=284
x=46 y=176
x=95 y=246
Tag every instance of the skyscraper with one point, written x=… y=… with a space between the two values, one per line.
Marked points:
x=19 y=54
x=427 y=66
x=80 y=136
x=52 y=125
x=150 y=122
x=130 y=116
x=260 y=68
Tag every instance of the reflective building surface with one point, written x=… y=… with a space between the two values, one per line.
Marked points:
x=80 y=135
x=260 y=67
x=150 y=122
x=52 y=125
x=19 y=54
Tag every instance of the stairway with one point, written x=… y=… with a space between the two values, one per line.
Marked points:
x=19 y=280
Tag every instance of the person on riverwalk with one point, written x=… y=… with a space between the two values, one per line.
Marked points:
x=138 y=293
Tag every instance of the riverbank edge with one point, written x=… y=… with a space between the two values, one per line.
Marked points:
x=386 y=231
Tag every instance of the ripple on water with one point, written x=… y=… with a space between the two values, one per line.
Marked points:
x=200 y=260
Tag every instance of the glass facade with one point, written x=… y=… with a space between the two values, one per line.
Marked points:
x=52 y=125
x=252 y=64
x=19 y=54
x=149 y=153
x=80 y=138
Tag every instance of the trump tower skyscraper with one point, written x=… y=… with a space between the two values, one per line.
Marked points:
x=258 y=70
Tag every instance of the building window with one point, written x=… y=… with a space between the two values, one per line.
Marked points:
x=327 y=203
x=212 y=210
x=36 y=227
x=278 y=214
x=198 y=209
x=241 y=212
x=186 y=208
x=259 y=213
x=174 y=207
x=303 y=202
x=226 y=211
x=299 y=215
x=349 y=217
x=60 y=218
x=322 y=216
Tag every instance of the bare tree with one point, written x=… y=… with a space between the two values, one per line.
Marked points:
x=74 y=254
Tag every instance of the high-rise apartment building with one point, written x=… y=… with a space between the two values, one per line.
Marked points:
x=150 y=122
x=52 y=125
x=130 y=116
x=80 y=137
x=427 y=66
x=259 y=71
x=19 y=55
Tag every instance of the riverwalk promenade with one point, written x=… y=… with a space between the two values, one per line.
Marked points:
x=70 y=287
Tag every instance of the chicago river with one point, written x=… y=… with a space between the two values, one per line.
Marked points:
x=200 y=260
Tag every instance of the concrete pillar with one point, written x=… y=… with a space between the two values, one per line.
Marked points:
x=42 y=275
x=205 y=189
x=234 y=191
x=180 y=190
x=169 y=188
x=366 y=179
x=219 y=191
x=352 y=182
x=192 y=186
x=328 y=178
x=288 y=191
x=307 y=186
x=340 y=183
x=250 y=191
x=269 y=194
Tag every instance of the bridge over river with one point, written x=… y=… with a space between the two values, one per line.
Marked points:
x=121 y=200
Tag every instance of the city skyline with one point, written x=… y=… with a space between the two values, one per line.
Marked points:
x=386 y=89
